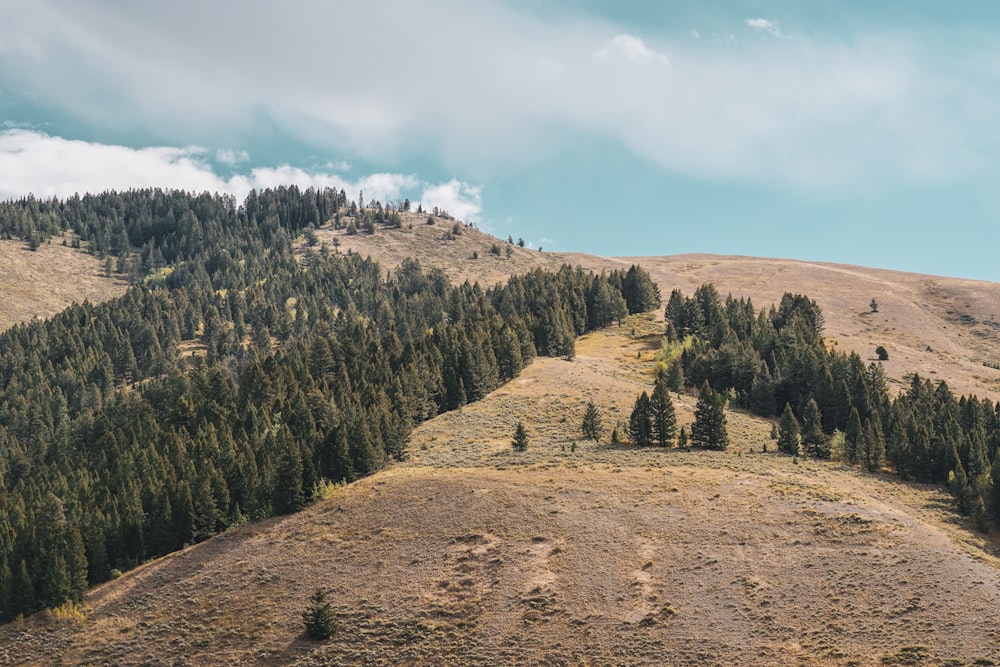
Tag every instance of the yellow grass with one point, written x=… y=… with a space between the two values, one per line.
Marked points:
x=46 y=281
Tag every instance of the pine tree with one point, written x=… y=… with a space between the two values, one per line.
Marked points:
x=709 y=429
x=682 y=438
x=520 y=441
x=814 y=441
x=288 y=496
x=788 y=432
x=318 y=617
x=675 y=376
x=958 y=483
x=664 y=418
x=872 y=445
x=591 y=426
x=853 y=436
x=640 y=422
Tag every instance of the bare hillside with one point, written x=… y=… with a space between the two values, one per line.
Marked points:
x=573 y=553
x=43 y=282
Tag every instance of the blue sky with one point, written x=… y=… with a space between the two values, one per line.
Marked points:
x=852 y=132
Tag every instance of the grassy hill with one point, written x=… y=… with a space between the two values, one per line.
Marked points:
x=582 y=553
x=571 y=553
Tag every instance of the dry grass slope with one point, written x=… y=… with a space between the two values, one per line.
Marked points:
x=573 y=553
x=46 y=281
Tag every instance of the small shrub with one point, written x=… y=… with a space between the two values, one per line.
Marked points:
x=520 y=441
x=883 y=354
x=318 y=617
x=69 y=612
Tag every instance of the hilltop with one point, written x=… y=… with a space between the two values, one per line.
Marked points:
x=939 y=327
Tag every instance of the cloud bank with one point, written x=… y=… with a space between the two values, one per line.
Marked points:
x=35 y=163
x=487 y=88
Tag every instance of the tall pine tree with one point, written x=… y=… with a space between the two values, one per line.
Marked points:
x=709 y=428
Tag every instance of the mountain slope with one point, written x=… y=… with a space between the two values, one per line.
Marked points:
x=41 y=283
x=941 y=328
x=572 y=553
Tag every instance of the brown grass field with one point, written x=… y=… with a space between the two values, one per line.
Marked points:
x=43 y=282
x=580 y=553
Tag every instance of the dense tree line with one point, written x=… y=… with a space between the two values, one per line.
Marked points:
x=775 y=362
x=232 y=379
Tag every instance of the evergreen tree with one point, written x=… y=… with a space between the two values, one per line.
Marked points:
x=872 y=445
x=664 y=418
x=520 y=441
x=788 y=432
x=318 y=617
x=675 y=376
x=640 y=292
x=762 y=392
x=709 y=429
x=853 y=436
x=640 y=422
x=814 y=441
x=288 y=496
x=958 y=483
x=682 y=438
x=591 y=426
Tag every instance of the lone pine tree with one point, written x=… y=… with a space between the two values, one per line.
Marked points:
x=664 y=418
x=709 y=428
x=318 y=617
x=520 y=441
x=591 y=426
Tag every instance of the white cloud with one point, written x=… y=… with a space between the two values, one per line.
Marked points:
x=772 y=28
x=459 y=199
x=631 y=49
x=231 y=157
x=484 y=88
x=46 y=166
